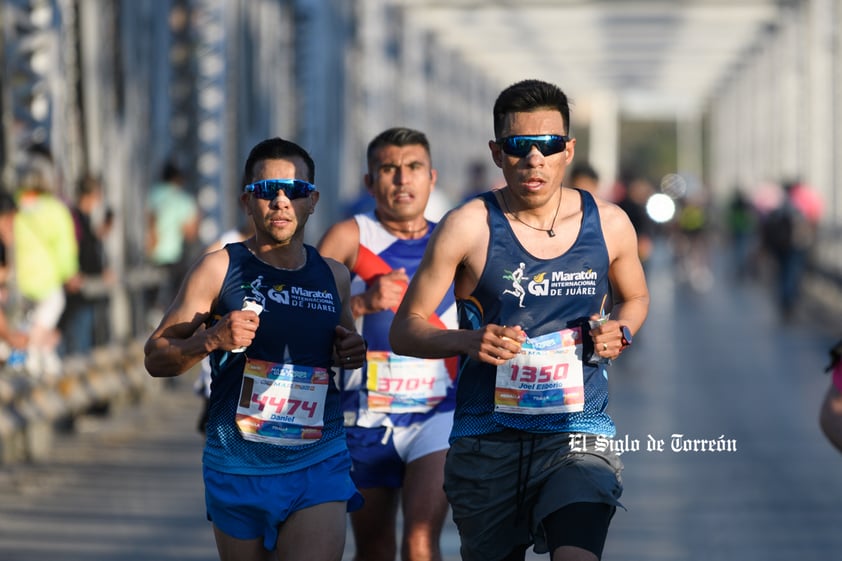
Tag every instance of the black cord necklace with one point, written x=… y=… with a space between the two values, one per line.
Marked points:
x=550 y=231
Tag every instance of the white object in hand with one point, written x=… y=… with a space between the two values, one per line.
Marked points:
x=594 y=323
x=249 y=305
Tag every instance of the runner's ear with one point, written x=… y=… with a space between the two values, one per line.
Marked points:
x=496 y=153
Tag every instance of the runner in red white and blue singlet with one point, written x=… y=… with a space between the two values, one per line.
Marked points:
x=391 y=390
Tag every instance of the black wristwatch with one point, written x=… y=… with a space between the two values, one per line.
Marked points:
x=627 y=336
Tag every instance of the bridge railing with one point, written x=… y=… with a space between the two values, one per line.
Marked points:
x=34 y=409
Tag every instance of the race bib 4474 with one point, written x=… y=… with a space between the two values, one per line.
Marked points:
x=282 y=404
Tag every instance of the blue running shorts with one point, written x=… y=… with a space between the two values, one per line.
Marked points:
x=250 y=506
x=380 y=454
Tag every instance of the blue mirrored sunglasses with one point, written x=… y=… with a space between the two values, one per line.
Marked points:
x=267 y=189
x=547 y=144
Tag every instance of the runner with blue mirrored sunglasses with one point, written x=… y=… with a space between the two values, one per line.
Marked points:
x=547 y=144
x=267 y=189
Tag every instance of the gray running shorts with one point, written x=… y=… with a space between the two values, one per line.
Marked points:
x=501 y=486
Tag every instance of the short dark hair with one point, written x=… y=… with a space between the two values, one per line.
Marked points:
x=397 y=136
x=88 y=184
x=277 y=148
x=171 y=172
x=527 y=96
x=583 y=169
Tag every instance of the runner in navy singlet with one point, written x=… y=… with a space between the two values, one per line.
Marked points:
x=533 y=265
x=274 y=317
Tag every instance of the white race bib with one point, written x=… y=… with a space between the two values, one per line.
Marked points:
x=403 y=384
x=282 y=404
x=545 y=377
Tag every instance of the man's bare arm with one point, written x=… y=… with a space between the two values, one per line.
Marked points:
x=412 y=334
x=628 y=281
x=342 y=278
x=342 y=243
x=830 y=417
x=350 y=347
x=178 y=343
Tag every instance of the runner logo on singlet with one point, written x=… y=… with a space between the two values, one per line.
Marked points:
x=256 y=295
x=516 y=277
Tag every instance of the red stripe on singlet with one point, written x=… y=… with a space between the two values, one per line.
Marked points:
x=369 y=266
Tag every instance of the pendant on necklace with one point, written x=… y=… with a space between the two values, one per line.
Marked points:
x=550 y=233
